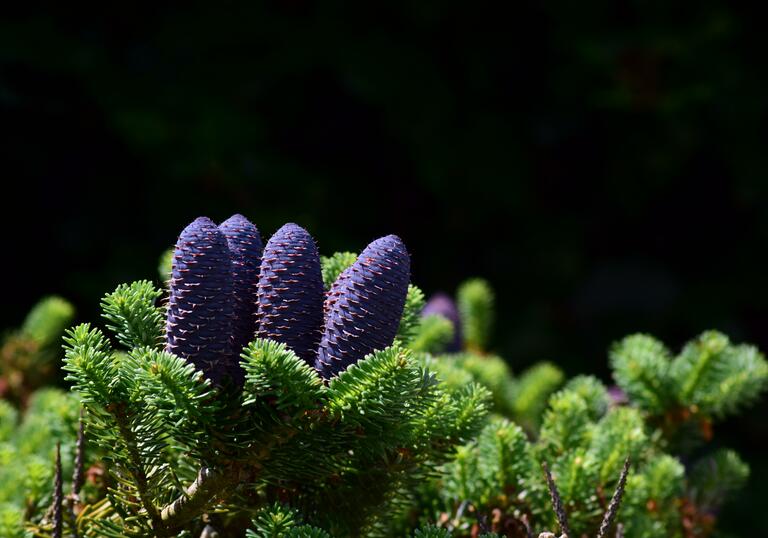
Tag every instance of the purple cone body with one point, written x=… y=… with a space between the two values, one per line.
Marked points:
x=200 y=305
x=245 y=248
x=617 y=396
x=364 y=306
x=442 y=305
x=291 y=293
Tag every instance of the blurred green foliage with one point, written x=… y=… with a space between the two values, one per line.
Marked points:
x=27 y=448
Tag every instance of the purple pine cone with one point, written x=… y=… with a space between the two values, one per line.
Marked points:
x=617 y=396
x=200 y=305
x=364 y=306
x=442 y=305
x=245 y=248
x=291 y=293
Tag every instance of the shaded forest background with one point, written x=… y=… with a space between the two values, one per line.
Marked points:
x=603 y=166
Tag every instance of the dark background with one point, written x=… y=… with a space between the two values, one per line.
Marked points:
x=602 y=165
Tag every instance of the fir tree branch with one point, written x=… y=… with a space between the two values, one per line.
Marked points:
x=475 y=302
x=208 y=484
x=132 y=315
x=641 y=367
x=706 y=349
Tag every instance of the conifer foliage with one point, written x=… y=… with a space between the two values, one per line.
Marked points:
x=334 y=451
x=583 y=436
x=347 y=407
x=28 y=354
x=33 y=420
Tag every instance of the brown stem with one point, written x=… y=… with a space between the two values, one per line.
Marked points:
x=557 y=502
x=613 y=506
x=58 y=497
x=78 y=474
x=208 y=484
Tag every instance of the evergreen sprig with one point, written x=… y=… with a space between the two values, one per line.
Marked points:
x=278 y=521
x=532 y=390
x=132 y=315
x=432 y=334
x=717 y=376
x=641 y=367
x=333 y=266
x=411 y=318
x=92 y=366
x=476 y=308
x=276 y=374
x=47 y=320
x=182 y=401
x=716 y=476
x=708 y=380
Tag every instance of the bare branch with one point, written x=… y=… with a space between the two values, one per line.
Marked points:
x=58 y=497
x=208 y=484
x=557 y=502
x=613 y=506
x=78 y=477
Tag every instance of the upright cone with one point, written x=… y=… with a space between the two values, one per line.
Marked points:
x=291 y=293
x=200 y=305
x=245 y=247
x=364 y=306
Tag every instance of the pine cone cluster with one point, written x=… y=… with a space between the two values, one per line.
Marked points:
x=226 y=288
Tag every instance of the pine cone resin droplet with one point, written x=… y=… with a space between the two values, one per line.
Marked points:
x=364 y=306
x=291 y=291
x=442 y=305
x=245 y=247
x=200 y=304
